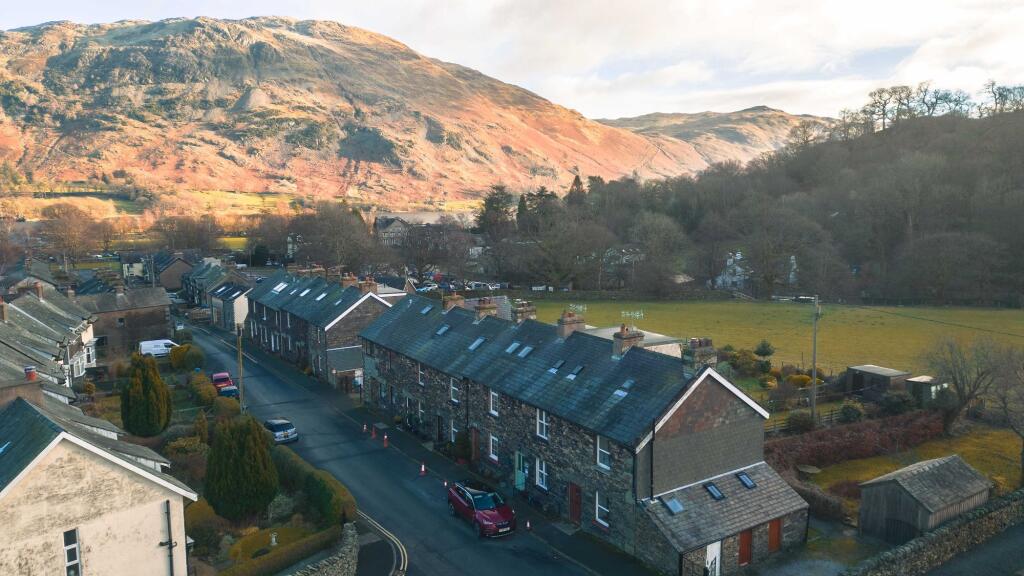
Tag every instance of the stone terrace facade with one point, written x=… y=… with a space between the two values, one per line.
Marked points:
x=601 y=433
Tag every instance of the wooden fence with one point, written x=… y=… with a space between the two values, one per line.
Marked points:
x=825 y=418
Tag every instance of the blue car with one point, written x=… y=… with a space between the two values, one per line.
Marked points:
x=228 y=392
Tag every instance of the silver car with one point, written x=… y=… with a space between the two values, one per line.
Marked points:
x=283 y=430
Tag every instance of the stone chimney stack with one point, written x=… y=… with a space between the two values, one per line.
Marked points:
x=625 y=339
x=485 y=307
x=70 y=293
x=367 y=286
x=453 y=300
x=29 y=389
x=523 y=310
x=3 y=311
x=38 y=286
x=348 y=279
x=569 y=323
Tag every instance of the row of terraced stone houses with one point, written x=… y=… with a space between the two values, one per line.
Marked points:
x=660 y=458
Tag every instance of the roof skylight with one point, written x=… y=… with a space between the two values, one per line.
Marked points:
x=714 y=491
x=525 y=351
x=476 y=343
x=426 y=309
x=304 y=292
x=321 y=296
x=512 y=347
x=746 y=480
x=444 y=328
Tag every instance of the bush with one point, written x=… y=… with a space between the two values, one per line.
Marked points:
x=186 y=445
x=766 y=381
x=241 y=479
x=184 y=335
x=897 y=402
x=291 y=469
x=201 y=428
x=329 y=499
x=800 y=421
x=206 y=395
x=226 y=408
x=204 y=526
x=851 y=411
x=746 y=363
x=89 y=389
x=798 y=380
x=286 y=555
x=822 y=504
x=187 y=357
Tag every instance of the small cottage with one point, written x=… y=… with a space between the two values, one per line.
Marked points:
x=902 y=505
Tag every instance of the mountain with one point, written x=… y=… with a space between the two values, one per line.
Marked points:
x=722 y=136
x=317 y=109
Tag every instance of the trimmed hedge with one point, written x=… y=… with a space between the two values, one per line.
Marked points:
x=328 y=498
x=287 y=554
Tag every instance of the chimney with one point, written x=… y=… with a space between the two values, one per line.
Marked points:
x=367 y=286
x=30 y=373
x=28 y=389
x=453 y=300
x=569 y=323
x=70 y=292
x=485 y=307
x=119 y=289
x=3 y=311
x=625 y=339
x=524 y=310
x=39 y=289
x=348 y=279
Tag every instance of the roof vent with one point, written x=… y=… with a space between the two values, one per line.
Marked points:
x=674 y=506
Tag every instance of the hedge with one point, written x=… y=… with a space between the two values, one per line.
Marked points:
x=286 y=555
x=328 y=497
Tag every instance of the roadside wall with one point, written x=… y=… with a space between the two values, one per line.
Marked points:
x=343 y=562
x=926 y=552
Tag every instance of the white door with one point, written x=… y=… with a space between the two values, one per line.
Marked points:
x=712 y=560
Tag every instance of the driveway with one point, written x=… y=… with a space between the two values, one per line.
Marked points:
x=1000 y=556
x=386 y=484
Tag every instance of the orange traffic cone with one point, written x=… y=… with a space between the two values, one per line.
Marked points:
x=423 y=468
x=385 y=439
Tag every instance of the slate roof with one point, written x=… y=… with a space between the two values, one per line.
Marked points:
x=615 y=397
x=30 y=429
x=163 y=259
x=345 y=359
x=937 y=483
x=207 y=271
x=229 y=291
x=880 y=370
x=133 y=299
x=26 y=268
x=312 y=299
x=704 y=520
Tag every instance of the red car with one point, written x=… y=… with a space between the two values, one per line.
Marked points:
x=483 y=507
x=221 y=379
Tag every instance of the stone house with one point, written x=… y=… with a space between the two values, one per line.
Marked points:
x=903 y=504
x=197 y=282
x=229 y=305
x=133 y=265
x=390 y=230
x=119 y=512
x=126 y=317
x=24 y=274
x=623 y=442
x=169 y=268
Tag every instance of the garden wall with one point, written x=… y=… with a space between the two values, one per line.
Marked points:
x=926 y=552
x=343 y=562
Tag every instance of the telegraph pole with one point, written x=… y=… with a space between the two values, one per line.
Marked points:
x=814 y=364
x=241 y=368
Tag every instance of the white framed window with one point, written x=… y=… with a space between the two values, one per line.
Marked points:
x=419 y=410
x=454 y=384
x=492 y=404
x=383 y=392
x=601 y=508
x=492 y=448
x=419 y=373
x=541 y=474
x=454 y=432
x=288 y=318
x=72 y=554
x=604 y=453
x=542 y=423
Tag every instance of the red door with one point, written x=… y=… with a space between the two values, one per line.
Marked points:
x=775 y=535
x=745 y=538
x=575 y=504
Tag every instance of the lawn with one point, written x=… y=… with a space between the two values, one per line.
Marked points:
x=252 y=543
x=847 y=335
x=993 y=451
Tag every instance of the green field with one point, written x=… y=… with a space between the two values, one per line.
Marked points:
x=848 y=335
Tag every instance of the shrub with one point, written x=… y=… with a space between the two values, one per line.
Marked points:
x=798 y=380
x=204 y=526
x=194 y=358
x=746 y=363
x=851 y=411
x=177 y=356
x=329 y=499
x=897 y=402
x=184 y=335
x=766 y=381
x=782 y=395
x=846 y=489
x=241 y=479
x=776 y=373
x=226 y=408
x=291 y=469
x=89 y=389
x=145 y=402
x=800 y=421
x=186 y=445
x=286 y=555
x=822 y=504
x=206 y=395
x=201 y=428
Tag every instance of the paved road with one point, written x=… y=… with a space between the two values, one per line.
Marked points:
x=385 y=483
x=1000 y=556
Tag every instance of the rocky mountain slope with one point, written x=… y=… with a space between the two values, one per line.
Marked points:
x=314 y=108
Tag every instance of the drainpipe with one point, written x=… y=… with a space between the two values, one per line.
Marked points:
x=653 y=424
x=170 y=543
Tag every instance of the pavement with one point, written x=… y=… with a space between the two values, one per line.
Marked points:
x=999 y=556
x=408 y=510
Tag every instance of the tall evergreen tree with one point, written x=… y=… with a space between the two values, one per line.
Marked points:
x=241 y=479
x=145 y=401
x=576 y=198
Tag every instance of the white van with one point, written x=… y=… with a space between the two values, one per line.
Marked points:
x=157 y=348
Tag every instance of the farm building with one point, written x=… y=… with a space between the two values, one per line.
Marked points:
x=924 y=389
x=872 y=382
x=903 y=504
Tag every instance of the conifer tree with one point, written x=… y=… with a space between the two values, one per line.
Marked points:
x=241 y=479
x=145 y=401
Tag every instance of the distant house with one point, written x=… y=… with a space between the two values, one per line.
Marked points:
x=169 y=269
x=24 y=274
x=872 y=382
x=390 y=230
x=75 y=499
x=199 y=280
x=133 y=265
x=229 y=305
x=924 y=388
x=903 y=504
x=735 y=275
x=126 y=317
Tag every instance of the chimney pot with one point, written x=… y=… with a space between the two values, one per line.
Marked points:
x=30 y=373
x=39 y=289
x=3 y=311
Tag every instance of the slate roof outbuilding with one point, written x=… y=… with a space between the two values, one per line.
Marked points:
x=937 y=483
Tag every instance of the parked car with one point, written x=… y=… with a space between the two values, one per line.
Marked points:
x=221 y=379
x=158 y=348
x=228 y=391
x=179 y=325
x=427 y=287
x=484 y=508
x=283 y=430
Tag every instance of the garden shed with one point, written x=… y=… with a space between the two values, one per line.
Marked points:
x=872 y=382
x=901 y=505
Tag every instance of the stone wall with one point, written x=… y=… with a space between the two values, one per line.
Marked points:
x=344 y=560
x=924 y=553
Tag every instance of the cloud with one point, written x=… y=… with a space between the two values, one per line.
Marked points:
x=614 y=58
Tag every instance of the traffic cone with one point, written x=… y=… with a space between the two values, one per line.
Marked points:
x=364 y=427
x=373 y=433
x=423 y=469
x=385 y=439
x=528 y=527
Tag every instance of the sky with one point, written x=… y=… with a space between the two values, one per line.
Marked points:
x=612 y=59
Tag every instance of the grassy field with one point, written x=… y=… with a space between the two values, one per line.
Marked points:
x=993 y=451
x=847 y=335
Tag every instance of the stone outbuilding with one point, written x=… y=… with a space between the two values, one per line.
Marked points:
x=901 y=505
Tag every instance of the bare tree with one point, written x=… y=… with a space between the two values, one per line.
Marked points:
x=970 y=369
x=69 y=229
x=1008 y=394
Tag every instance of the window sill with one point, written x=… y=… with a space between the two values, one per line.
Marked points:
x=454 y=402
x=601 y=526
x=540 y=438
x=606 y=470
x=492 y=413
x=543 y=489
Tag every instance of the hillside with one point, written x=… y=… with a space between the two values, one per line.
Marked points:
x=312 y=108
x=720 y=136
